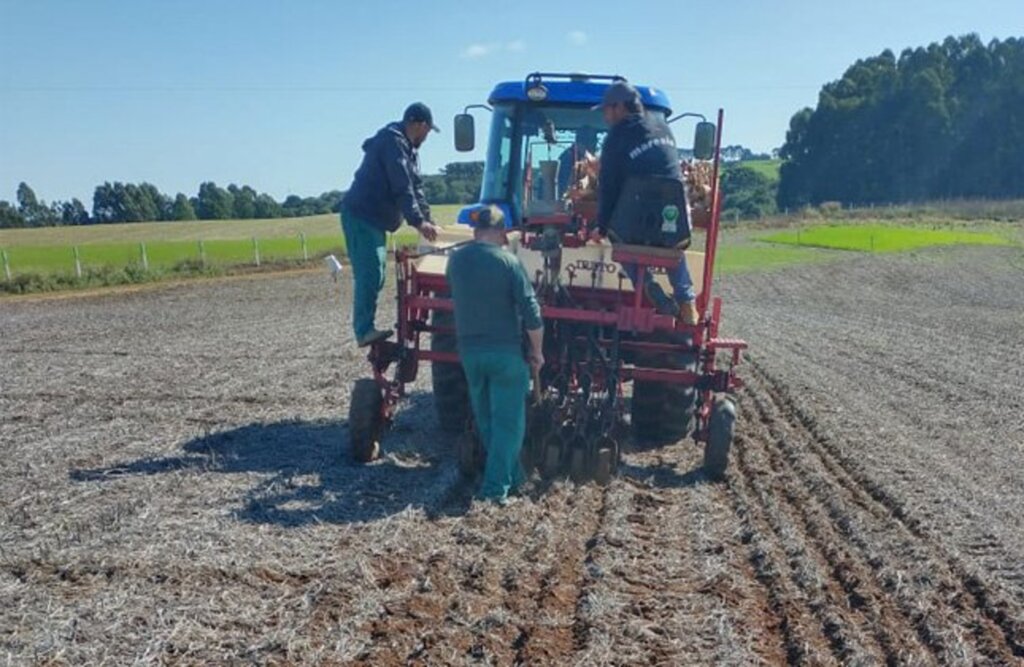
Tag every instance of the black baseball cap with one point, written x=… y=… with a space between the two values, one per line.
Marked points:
x=619 y=91
x=418 y=112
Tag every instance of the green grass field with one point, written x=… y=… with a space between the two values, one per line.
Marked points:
x=767 y=168
x=46 y=255
x=225 y=242
x=742 y=257
x=881 y=238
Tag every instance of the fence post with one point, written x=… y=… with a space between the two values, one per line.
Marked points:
x=145 y=258
x=7 y=265
x=78 y=263
x=202 y=254
x=256 y=251
x=305 y=250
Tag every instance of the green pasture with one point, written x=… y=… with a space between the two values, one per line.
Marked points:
x=767 y=168
x=741 y=257
x=191 y=231
x=881 y=238
x=215 y=243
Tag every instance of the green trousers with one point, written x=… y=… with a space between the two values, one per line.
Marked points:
x=366 y=245
x=498 y=382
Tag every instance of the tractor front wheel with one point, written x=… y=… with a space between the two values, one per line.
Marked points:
x=365 y=420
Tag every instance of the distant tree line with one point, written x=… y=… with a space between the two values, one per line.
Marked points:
x=944 y=121
x=747 y=193
x=116 y=202
x=143 y=202
x=458 y=183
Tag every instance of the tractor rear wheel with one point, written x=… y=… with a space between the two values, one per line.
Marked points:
x=663 y=412
x=365 y=421
x=451 y=392
x=721 y=426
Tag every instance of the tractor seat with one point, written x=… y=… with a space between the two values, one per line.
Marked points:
x=646 y=255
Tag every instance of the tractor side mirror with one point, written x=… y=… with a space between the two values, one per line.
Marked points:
x=704 y=141
x=465 y=133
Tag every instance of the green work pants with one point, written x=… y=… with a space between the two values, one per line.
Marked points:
x=366 y=245
x=498 y=382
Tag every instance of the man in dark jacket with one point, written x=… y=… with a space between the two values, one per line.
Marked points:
x=639 y=145
x=387 y=187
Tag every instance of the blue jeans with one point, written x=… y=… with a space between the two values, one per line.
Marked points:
x=498 y=381
x=682 y=283
x=366 y=245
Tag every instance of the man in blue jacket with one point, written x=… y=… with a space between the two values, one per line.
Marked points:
x=639 y=145
x=386 y=188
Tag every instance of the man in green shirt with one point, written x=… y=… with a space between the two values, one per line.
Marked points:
x=494 y=303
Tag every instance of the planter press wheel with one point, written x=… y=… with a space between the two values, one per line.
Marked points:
x=605 y=460
x=721 y=426
x=578 y=471
x=365 y=420
x=552 y=455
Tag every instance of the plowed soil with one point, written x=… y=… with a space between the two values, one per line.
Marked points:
x=174 y=488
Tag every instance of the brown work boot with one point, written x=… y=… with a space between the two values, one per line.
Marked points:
x=373 y=336
x=688 y=313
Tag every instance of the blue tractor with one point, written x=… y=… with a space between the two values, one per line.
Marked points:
x=614 y=361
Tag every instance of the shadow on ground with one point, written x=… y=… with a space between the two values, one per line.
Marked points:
x=305 y=473
x=665 y=475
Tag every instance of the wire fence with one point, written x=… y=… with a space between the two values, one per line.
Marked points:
x=150 y=255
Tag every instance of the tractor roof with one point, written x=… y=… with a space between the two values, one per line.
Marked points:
x=580 y=89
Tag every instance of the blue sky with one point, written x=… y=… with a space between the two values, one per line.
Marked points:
x=280 y=95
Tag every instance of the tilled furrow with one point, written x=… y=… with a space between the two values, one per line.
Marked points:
x=948 y=617
x=667 y=584
x=870 y=495
x=498 y=586
x=849 y=587
x=798 y=555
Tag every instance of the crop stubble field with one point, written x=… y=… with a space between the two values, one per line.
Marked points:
x=173 y=488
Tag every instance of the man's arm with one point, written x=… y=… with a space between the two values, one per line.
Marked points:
x=526 y=302
x=609 y=185
x=421 y=197
x=536 y=337
x=401 y=180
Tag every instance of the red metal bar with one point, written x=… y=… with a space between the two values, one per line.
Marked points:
x=716 y=316
x=431 y=355
x=642 y=260
x=711 y=245
x=431 y=303
x=660 y=375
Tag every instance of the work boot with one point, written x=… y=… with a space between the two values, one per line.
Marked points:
x=373 y=336
x=662 y=303
x=688 y=312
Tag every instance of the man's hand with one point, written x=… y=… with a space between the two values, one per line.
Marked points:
x=429 y=230
x=536 y=360
x=595 y=235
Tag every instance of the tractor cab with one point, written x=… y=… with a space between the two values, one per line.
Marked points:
x=544 y=143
